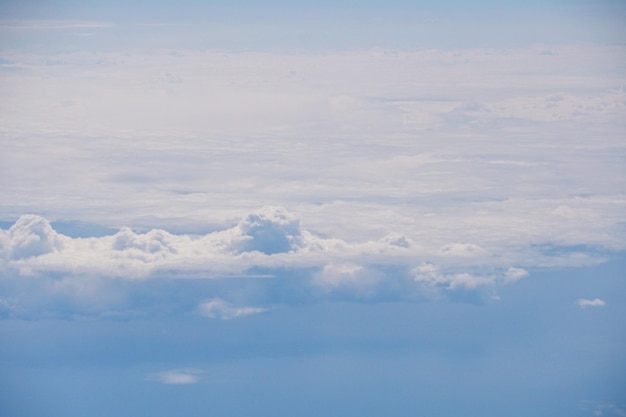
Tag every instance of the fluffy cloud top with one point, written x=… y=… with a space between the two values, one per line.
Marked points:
x=43 y=269
x=270 y=237
x=270 y=230
x=31 y=235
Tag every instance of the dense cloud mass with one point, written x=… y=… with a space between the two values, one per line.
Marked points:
x=268 y=246
x=267 y=255
x=424 y=173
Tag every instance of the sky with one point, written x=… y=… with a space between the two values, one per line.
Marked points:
x=312 y=208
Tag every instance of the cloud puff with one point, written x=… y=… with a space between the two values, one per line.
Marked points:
x=596 y=302
x=177 y=376
x=31 y=235
x=514 y=274
x=349 y=277
x=431 y=274
x=219 y=309
x=155 y=241
x=269 y=230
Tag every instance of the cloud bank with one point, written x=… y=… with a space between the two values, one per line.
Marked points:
x=270 y=237
x=267 y=255
x=407 y=173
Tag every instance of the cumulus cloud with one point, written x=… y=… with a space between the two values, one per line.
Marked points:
x=30 y=236
x=177 y=376
x=596 y=302
x=31 y=244
x=269 y=230
x=220 y=309
x=270 y=237
x=432 y=275
x=155 y=241
x=435 y=276
x=514 y=274
x=110 y=275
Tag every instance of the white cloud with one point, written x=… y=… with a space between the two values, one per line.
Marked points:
x=596 y=302
x=357 y=279
x=220 y=309
x=107 y=275
x=269 y=230
x=270 y=237
x=430 y=274
x=30 y=236
x=462 y=249
x=470 y=160
x=177 y=376
x=358 y=156
x=514 y=274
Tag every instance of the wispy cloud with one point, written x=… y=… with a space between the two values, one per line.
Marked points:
x=48 y=24
x=220 y=309
x=596 y=302
x=177 y=376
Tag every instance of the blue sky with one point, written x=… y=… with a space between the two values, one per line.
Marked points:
x=292 y=209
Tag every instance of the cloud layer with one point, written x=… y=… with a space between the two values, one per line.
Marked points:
x=445 y=147
x=267 y=255
x=406 y=173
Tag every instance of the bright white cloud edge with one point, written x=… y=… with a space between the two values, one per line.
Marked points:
x=270 y=237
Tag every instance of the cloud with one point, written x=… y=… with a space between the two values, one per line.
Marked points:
x=330 y=145
x=430 y=274
x=462 y=249
x=386 y=195
x=269 y=230
x=220 y=309
x=270 y=237
x=596 y=302
x=177 y=376
x=267 y=256
x=514 y=274
x=350 y=278
x=31 y=235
